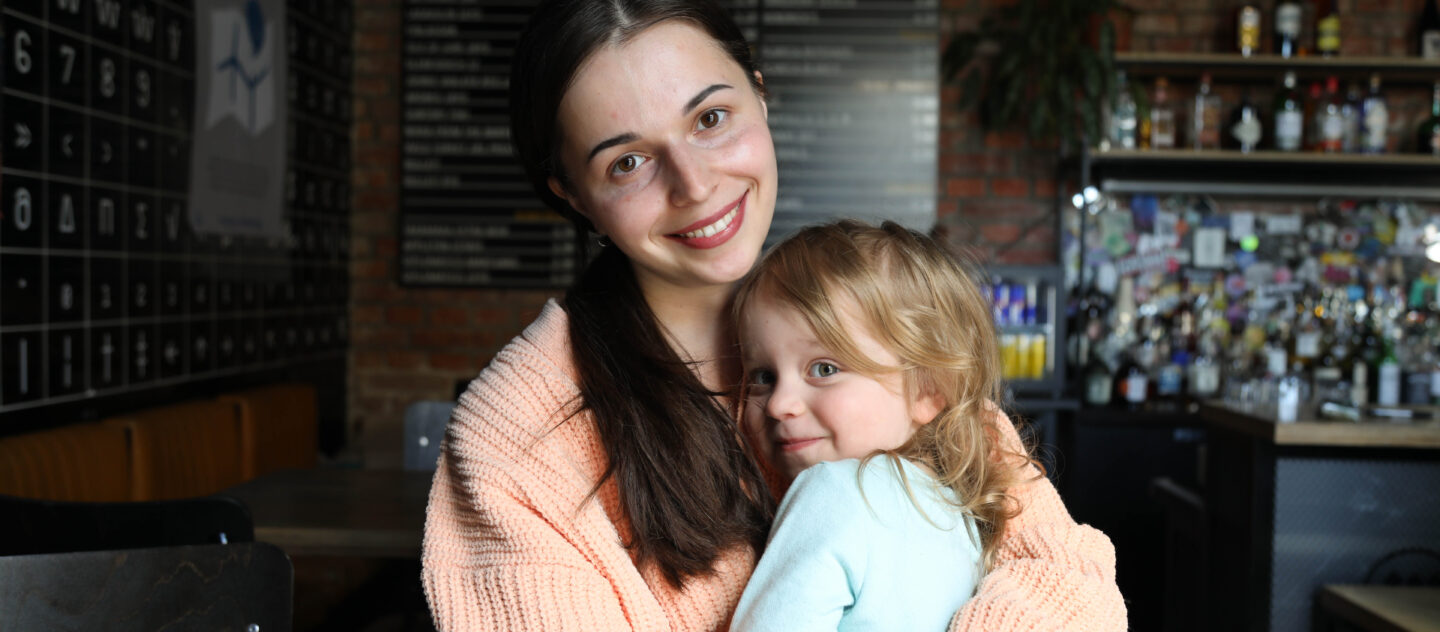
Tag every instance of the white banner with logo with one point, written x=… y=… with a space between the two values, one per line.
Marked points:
x=237 y=164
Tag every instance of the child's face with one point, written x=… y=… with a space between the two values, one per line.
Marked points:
x=807 y=406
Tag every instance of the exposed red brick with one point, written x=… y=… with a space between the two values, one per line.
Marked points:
x=454 y=362
x=403 y=315
x=449 y=316
x=1010 y=187
x=965 y=187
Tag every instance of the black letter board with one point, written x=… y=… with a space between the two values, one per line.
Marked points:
x=106 y=294
x=854 y=105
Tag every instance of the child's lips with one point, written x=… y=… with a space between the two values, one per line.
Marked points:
x=793 y=445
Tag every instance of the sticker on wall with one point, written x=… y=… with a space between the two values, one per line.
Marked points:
x=237 y=168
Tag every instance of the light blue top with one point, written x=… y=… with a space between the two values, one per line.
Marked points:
x=840 y=560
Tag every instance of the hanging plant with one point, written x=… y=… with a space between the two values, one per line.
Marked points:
x=1046 y=67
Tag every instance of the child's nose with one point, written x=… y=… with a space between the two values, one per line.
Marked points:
x=784 y=402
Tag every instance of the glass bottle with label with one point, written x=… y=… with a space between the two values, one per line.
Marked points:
x=1098 y=380
x=1427 y=136
x=1162 y=116
x=1288 y=16
x=1330 y=119
x=1350 y=108
x=1374 y=120
x=1247 y=28
x=1327 y=30
x=1427 y=30
x=1132 y=384
x=1123 y=117
x=1205 y=370
x=1289 y=116
x=1205 y=117
x=1245 y=127
x=1388 y=386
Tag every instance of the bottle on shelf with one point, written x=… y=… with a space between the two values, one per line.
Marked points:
x=1288 y=16
x=1327 y=30
x=1427 y=30
x=1132 y=384
x=1289 y=115
x=1247 y=28
x=1350 y=112
x=1388 y=386
x=1098 y=380
x=1427 y=136
x=1313 y=101
x=1245 y=126
x=1330 y=119
x=1374 y=119
x=1123 y=116
x=1162 y=116
x=1205 y=116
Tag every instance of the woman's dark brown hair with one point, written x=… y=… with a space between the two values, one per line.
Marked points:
x=689 y=488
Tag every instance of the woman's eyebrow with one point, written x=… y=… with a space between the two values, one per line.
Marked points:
x=695 y=102
x=631 y=137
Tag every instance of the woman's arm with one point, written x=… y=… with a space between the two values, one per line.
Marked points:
x=492 y=562
x=1050 y=573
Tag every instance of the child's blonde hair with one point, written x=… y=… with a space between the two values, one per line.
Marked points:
x=917 y=300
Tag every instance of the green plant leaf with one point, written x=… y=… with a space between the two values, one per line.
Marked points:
x=958 y=54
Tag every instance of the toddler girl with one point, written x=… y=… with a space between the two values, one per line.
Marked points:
x=861 y=342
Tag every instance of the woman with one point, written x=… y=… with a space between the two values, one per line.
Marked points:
x=594 y=476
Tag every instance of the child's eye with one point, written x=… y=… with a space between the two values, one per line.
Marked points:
x=712 y=118
x=823 y=369
x=761 y=378
x=627 y=164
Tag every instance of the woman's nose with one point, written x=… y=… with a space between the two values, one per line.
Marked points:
x=691 y=176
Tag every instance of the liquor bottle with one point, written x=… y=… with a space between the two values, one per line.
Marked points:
x=1427 y=30
x=1123 y=123
x=1350 y=113
x=1289 y=116
x=1098 y=380
x=1312 y=122
x=1327 y=30
x=1374 y=120
x=1205 y=117
x=1288 y=15
x=1247 y=28
x=1245 y=127
x=1330 y=119
x=1132 y=384
x=1162 y=116
x=1427 y=136
x=1388 y=387
x=1205 y=370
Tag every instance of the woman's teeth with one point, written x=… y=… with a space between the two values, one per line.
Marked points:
x=710 y=230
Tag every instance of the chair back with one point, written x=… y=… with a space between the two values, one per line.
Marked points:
x=279 y=427
x=32 y=526
x=183 y=450
x=211 y=587
x=78 y=462
x=425 y=423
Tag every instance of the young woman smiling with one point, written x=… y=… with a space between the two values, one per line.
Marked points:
x=594 y=476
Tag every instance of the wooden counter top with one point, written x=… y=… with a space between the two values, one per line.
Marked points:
x=1310 y=430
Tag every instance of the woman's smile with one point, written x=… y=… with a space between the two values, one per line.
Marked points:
x=712 y=231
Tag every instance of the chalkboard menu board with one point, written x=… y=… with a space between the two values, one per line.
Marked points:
x=854 y=101
x=854 y=107
x=468 y=215
x=105 y=291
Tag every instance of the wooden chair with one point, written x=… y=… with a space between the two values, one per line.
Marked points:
x=32 y=526
x=87 y=462
x=279 y=427
x=183 y=450
x=211 y=587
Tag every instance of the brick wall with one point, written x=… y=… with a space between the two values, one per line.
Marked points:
x=997 y=193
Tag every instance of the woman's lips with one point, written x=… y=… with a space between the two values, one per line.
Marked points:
x=734 y=214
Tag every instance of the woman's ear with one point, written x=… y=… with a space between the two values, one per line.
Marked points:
x=764 y=106
x=559 y=190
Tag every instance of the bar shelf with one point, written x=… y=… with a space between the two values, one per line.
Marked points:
x=1412 y=70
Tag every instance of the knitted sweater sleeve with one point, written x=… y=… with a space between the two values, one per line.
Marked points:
x=1050 y=573
x=512 y=539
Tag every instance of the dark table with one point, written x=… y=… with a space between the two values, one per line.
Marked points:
x=1384 y=608
x=340 y=512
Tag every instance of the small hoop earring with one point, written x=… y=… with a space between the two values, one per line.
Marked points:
x=604 y=241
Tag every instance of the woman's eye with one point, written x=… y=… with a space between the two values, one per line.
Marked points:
x=628 y=163
x=823 y=369
x=711 y=118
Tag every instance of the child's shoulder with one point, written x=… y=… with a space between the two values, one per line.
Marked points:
x=851 y=479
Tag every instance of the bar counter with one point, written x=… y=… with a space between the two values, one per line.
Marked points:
x=1293 y=506
x=1310 y=429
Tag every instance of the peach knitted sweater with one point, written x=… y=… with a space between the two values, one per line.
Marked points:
x=512 y=544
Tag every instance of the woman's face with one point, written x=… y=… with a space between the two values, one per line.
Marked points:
x=669 y=155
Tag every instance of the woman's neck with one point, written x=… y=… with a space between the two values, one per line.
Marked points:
x=697 y=323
